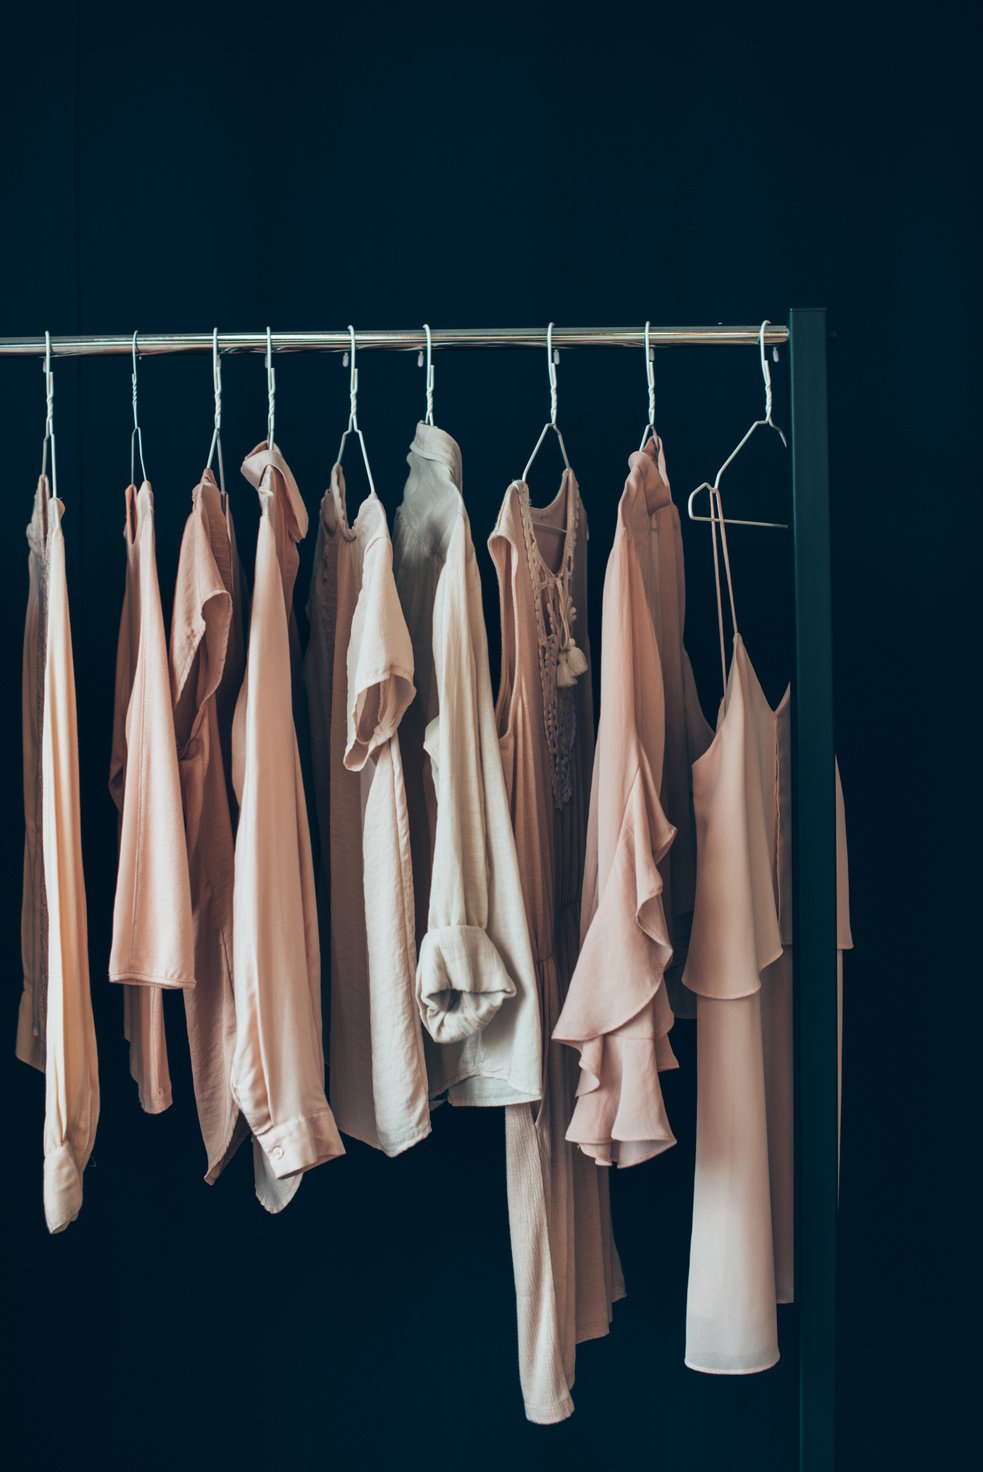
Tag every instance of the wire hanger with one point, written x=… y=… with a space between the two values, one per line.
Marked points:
x=552 y=358
x=767 y=422
x=49 y=420
x=270 y=390
x=428 y=419
x=136 y=438
x=216 y=443
x=650 y=432
x=349 y=358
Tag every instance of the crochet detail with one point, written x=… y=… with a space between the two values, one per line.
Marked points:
x=561 y=662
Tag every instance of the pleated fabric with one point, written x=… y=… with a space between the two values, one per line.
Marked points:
x=55 y=1030
x=278 y=1063
x=359 y=677
x=567 y=1272
x=207 y=662
x=153 y=938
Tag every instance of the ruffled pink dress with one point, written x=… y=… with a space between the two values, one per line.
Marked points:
x=641 y=859
x=567 y=1271
x=740 y=967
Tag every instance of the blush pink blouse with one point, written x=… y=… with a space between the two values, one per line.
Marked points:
x=153 y=941
x=278 y=1064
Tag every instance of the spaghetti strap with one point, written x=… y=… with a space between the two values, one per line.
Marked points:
x=717 y=519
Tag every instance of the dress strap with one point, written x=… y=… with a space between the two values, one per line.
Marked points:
x=717 y=520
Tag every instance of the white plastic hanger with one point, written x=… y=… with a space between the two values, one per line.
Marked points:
x=552 y=358
x=650 y=433
x=270 y=390
x=216 y=443
x=428 y=418
x=767 y=422
x=353 y=411
x=49 y=420
x=136 y=438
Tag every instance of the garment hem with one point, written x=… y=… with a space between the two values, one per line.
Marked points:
x=720 y=1370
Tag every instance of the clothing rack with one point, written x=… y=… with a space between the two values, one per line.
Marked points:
x=152 y=344
x=814 y=843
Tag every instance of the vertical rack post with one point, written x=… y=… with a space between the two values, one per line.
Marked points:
x=814 y=897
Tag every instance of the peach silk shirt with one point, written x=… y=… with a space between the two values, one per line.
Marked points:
x=740 y=967
x=278 y=1064
x=640 y=869
x=566 y=1267
x=475 y=979
x=359 y=676
x=55 y=1031
x=207 y=663
x=153 y=942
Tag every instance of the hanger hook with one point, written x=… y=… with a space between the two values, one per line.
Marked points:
x=551 y=362
x=270 y=390
x=429 y=364
x=766 y=373
x=650 y=382
x=216 y=443
x=49 y=418
x=136 y=438
x=352 y=381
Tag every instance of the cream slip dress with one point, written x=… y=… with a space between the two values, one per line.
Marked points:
x=567 y=1271
x=359 y=676
x=207 y=663
x=55 y=1031
x=740 y=967
x=153 y=938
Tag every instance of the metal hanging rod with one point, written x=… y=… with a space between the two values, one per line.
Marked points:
x=154 y=343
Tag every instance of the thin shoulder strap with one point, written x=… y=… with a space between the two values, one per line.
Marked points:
x=717 y=520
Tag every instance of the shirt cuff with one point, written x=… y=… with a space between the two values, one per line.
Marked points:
x=461 y=982
x=300 y=1144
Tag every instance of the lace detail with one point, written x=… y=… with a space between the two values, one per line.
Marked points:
x=561 y=662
